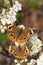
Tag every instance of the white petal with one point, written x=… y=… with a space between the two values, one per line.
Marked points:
x=21 y=26
x=8 y=21
x=3 y=21
x=15 y=8
x=4 y=27
x=18 y=5
x=16 y=2
x=18 y=64
x=16 y=61
x=2 y=30
x=3 y=11
x=41 y=57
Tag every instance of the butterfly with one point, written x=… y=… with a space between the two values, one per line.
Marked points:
x=19 y=52
x=14 y=52
x=20 y=35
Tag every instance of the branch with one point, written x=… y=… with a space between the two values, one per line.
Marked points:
x=3 y=6
x=11 y=3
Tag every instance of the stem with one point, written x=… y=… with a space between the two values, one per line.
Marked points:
x=11 y=3
x=3 y=6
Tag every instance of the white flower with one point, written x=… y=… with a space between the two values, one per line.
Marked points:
x=18 y=5
x=5 y=27
x=18 y=44
x=7 y=15
x=40 y=59
x=28 y=64
x=10 y=16
x=16 y=61
x=18 y=64
x=39 y=62
x=35 y=41
x=8 y=21
x=14 y=18
x=35 y=50
x=3 y=11
x=2 y=30
x=11 y=20
x=32 y=62
x=12 y=13
x=21 y=26
x=3 y=21
x=14 y=9
x=36 y=44
x=41 y=56
x=26 y=60
x=22 y=61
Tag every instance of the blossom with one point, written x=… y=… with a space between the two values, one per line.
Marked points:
x=36 y=44
x=39 y=62
x=35 y=49
x=18 y=5
x=12 y=13
x=21 y=26
x=34 y=40
x=3 y=11
x=18 y=44
x=10 y=16
x=32 y=62
x=8 y=19
x=16 y=61
x=2 y=28
x=18 y=64
x=14 y=9
x=28 y=64
x=3 y=21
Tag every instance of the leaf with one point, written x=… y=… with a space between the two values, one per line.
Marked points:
x=27 y=2
x=35 y=5
x=1 y=1
x=4 y=38
x=19 y=16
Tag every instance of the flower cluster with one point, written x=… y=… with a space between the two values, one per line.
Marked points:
x=2 y=28
x=10 y=16
x=40 y=59
x=36 y=44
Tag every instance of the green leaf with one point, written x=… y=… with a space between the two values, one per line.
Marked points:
x=19 y=16
x=4 y=38
x=35 y=5
x=27 y=2
x=1 y=1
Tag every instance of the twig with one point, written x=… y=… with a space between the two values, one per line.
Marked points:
x=11 y=3
x=3 y=6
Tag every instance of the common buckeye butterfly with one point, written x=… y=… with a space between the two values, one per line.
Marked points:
x=20 y=36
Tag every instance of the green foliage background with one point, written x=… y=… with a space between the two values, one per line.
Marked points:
x=4 y=38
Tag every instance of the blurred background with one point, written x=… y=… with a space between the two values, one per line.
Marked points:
x=30 y=16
